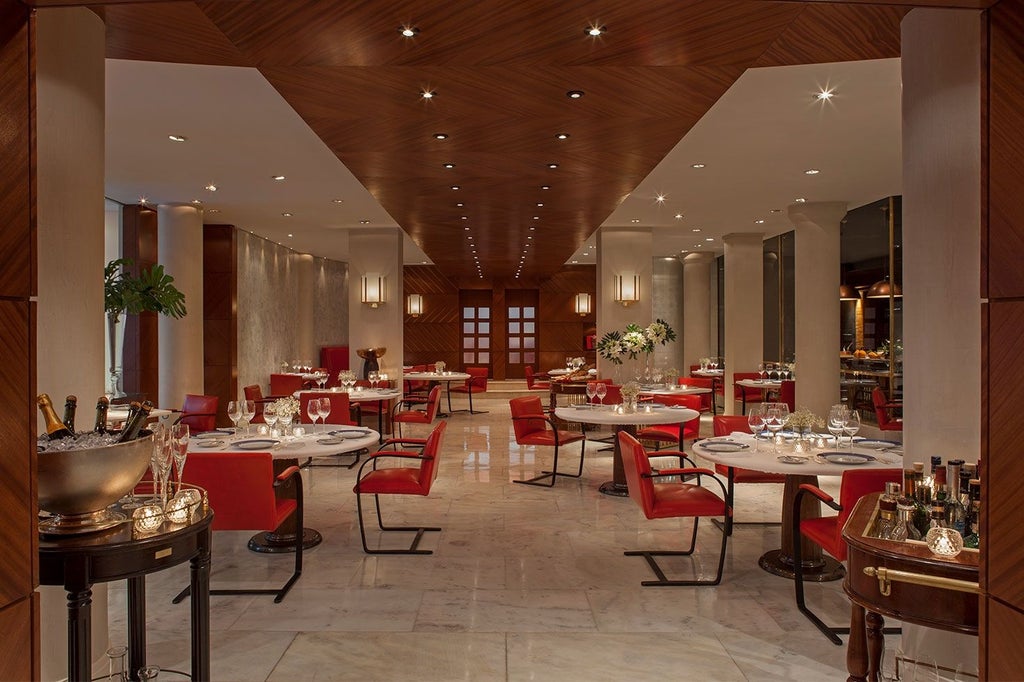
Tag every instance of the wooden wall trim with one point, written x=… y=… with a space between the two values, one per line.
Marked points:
x=141 y=359
x=220 y=319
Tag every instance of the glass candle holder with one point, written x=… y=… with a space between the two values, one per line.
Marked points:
x=148 y=518
x=944 y=542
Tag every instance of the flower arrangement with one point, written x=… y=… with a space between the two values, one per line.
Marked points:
x=439 y=366
x=346 y=376
x=577 y=362
x=286 y=406
x=634 y=340
x=670 y=375
x=630 y=392
x=804 y=419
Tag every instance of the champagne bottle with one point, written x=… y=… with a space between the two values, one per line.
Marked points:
x=70 y=405
x=134 y=425
x=102 y=404
x=55 y=429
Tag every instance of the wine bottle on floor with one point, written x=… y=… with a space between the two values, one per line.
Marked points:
x=55 y=429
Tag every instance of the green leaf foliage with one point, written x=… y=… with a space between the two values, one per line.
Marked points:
x=153 y=290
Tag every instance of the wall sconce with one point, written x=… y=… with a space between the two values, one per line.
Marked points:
x=373 y=289
x=626 y=288
x=414 y=305
x=582 y=304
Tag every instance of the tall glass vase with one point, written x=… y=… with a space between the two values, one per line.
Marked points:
x=115 y=354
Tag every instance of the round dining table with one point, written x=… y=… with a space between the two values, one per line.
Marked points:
x=743 y=451
x=679 y=389
x=436 y=378
x=361 y=394
x=623 y=420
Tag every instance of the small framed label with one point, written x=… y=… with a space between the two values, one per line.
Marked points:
x=163 y=553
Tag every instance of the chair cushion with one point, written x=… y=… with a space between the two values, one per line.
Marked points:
x=824 y=531
x=395 y=481
x=749 y=475
x=673 y=499
x=411 y=417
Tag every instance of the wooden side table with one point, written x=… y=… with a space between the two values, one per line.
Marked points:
x=79 y=561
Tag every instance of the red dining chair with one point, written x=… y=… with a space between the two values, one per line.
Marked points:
x=412 y=478
x=241 y=488
x=671 y=500
x=707 y=400
x=532 y=426
x=675 y=433
x=746 y=394
x=340 y=415
x=787 y=394
x=416 y=391
x=476 y=383
x=412 y=415
x=533 y=384
x=199 y=413
x=723 y=426
x=285 y=384
x=254 y=392
x=827 y=531
x=883 y=411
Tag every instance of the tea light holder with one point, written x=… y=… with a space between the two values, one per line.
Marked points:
x=148 y=518
x=181 y=506
x=944 y=542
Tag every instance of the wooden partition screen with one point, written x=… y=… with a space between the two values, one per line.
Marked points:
x=141 y=358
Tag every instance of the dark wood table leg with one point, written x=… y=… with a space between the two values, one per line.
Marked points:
x=199 y=570
x=617 y=486
x=816 y=566
x=876 y=642
x=136 y=626
x=856 y=647
x=79 y=637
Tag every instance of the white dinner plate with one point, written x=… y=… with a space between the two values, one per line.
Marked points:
x=875 y=444
x=846 y=458
x=723 y=446
x=256 y=444
x=210 y=443
x=349 y=433
x=791 y=459
x=217 y=433
x=330 y=441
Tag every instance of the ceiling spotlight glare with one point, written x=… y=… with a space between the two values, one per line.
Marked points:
x=811 y=171
x=533 y=228
x=456 y=187
x=465 y=228
x=213 y=210
x=824 y=95
x=290 y=234
x=286 y=214
x=448 y=165
x=211 y=187
x=428 y=94
x=545 y=186
x=562 y=136
x=440 y=136
x=697 y=165
x=409 y=31
x=574 y=94
x=709 y=239
x=660 y=198
x=679 y=216
x=594 y=31
x=364 y=222
x=552 y=166
x=196 y=202
x=799 y=200
x=279 y=178
x=759 y=221
x=540 y=204
x=635 y=220
x=339 y=201
x=176 y=138
x=695 y=229
x=536 y=217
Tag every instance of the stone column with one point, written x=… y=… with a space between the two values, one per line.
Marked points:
x=744 y=307
x=180 y=251
x=377 y=251
x=697 y=331
x=304 y=305
x=70 y=328
x=667 y=294
x=817 y=303
x=622 y=251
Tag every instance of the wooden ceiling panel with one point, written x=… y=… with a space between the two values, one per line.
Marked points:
x=176 y=32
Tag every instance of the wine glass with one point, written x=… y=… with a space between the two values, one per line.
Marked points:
x=179 y=448
x=325 y=410
x=235 y=412
x=160 y=462
x=270 y=415
x=773 y=422
x=248 y=412
x=371 y=376
x=760 y=371
x=755 y=420
x=836 y=420
x=313 y=410
x=285 y=420
x=591 y=391
x=852 y=424
x=601 y=391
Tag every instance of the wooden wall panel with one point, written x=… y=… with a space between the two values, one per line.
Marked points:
x=141 y=359
x=18 y=623
x=434 y=335
x=562 y=330
x=220 y=321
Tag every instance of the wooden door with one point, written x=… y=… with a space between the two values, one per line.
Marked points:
x=522 y=333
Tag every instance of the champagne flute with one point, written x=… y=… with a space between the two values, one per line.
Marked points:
x=164 y=456
x=591 y=391
x=285 y=420
x=325 y=410
x=601 y=392
x=852 y=424
x=313 y=410
x=755 y=420
x=235 y=412
x=179 y=443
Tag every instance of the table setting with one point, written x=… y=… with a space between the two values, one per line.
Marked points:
x=297 y=441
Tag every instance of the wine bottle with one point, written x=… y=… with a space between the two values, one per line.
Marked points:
x=55 y=429
x=134 y=425
x=102 y=404
x=70 y=405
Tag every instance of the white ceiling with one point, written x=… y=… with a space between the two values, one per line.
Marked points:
x=756 y=142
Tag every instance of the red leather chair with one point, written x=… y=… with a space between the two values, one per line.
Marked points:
x=241 y=489
x=534 y=385
x=676 y=434
x=416 y=416
x=746 y=395
x=707 y=400
x=827 y=531
x=199 y=412
x=533 y=427
x=723 y=426
x=285 y=384
x=417 y=391
x=254 y=392
x=341 y=409
x=670 y=500
x=883 y=411
x=411 y=479
x=787 y=394
x=335 y=359
x=476 y=383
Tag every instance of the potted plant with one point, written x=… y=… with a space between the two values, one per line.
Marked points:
x=124 y=293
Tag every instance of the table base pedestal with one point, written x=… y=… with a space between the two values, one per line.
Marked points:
x=269 y=542
x=614 y=489
x=777 y=563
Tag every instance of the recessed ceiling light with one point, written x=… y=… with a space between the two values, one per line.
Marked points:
x=776 y=210
x=540 y=204
x=286 y=214
x=536 y=217
x=594 y=31
x=448 y=165
x=635 y=220
x=408 y=31
x=364 y=222
x=575 y=261
x=460 y=204
x=456 y=187
x=811 y=171
x=466 y=228
x=685 y=251
x=824 y=95
x=213 y=210
x=338 y=201
x=428 y=94
x=799 y=200
x=545 y=186
x=697 y=165
x=290 y=234
x=211 y=187
x=529 y=236
x=279 y=178
x=470 y=237
x=709 y=239
x=679 y=216
x=759 y=221
x=464 y=217
x=533 y=228
x=574 y=94
x=660 y=198
x=440 y=136
x=695 y=229
x=562 y=136
x=196 y=202
x=176 y=138
x=552 y=165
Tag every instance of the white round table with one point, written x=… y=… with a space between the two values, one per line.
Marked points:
x=675 y=390
x=623 y=421
x=760 y=456
x=364 y=395
x=436 y=378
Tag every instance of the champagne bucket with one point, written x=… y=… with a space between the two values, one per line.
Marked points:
x=78 y=485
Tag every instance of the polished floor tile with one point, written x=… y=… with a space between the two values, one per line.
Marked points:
x=525 y=583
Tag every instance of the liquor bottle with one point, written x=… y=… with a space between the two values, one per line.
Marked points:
x=134 y=425
x=70 y=405
x=922 y=499
x=937 y=517
x=973 y=537
x=908 y=483
x=953 y=508
x=55 y=429
x=887 y=511
x=102 y=404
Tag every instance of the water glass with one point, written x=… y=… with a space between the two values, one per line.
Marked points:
x=756 y=423
x=852 y=424
x=270 y=416
x=591 y=391
x=313 y=410
x=836 y=421
x=602 y=391
x=116 y=664
x=235 y=412
x=325 y=410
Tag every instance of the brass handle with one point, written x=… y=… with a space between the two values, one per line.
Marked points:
x=887 y=576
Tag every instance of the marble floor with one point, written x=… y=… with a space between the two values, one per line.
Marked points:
x=525 y=583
